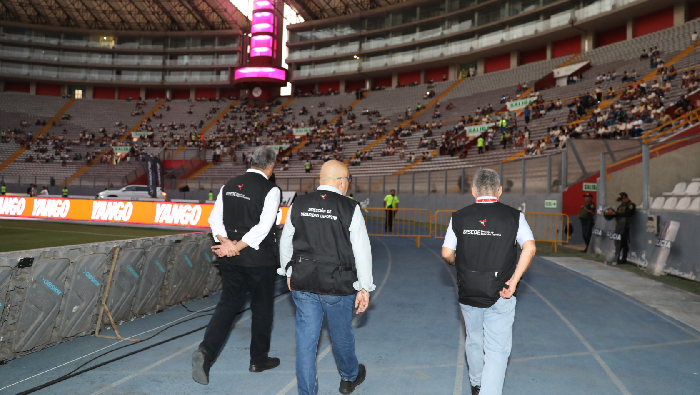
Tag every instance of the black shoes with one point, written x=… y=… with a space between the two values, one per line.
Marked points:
x=475 y=390
x=201 y=362
x=271 y=363
x=347 y=387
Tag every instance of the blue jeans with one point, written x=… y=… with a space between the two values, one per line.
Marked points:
x=488 y=343
x=311 y=308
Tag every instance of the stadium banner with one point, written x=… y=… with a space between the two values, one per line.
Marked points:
x=141 y=134
x=279 y=148
x=119 y=149
x=515 y=105
x=188 y=215
x=301 y=131
x=478 y=129
x=159 y=172
x=565 y=71
x=150 y=175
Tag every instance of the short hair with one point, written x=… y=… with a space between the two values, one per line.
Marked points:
x=263 y=157
x=486 y=182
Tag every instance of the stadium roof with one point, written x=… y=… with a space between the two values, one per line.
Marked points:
x=127 y=15
x=320 y=9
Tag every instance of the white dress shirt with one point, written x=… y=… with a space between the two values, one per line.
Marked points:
x=359 y=239
x=524 y=231
x=257 y=233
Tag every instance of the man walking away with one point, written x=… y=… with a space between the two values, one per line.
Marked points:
x=481 y=242
x=327 y=258
x=391 y=203
x=243 y=215
x=586 y=217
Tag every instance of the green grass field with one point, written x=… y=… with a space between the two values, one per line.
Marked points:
x=25 y=235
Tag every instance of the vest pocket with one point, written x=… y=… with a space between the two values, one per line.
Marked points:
x=325 y=278
x=480 y=284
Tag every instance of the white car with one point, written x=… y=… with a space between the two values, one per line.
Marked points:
x=130 y=192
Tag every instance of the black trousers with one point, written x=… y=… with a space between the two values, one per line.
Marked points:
x=622 y=246
x=389 y=225
x=586 y=230
x=237 y=281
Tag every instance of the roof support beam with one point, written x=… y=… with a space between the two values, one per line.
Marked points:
x=31 y=12
x=81 y=11
x=8 y=13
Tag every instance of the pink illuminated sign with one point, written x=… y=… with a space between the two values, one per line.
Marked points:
x=263 y=4
x=263 y=17
x=262 y=28
x=260 y=72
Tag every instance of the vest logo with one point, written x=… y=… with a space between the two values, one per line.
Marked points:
x=51 y=208
x=483 y=222
x=112 y=211
x=240 y=187
x=183 y=214
x=324 y=197
x=12 y=206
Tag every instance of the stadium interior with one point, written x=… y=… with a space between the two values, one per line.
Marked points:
x=560 y=97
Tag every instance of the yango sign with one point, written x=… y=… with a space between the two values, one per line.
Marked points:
x=118 y=211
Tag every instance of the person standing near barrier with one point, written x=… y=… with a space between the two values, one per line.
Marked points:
x=624 y=215
x=64 y=192
x=481 y=242
x=480 y=144
x=3 y=189
x=391 y=203
x=307 y=166
x=327 y=257
x=243 y=215
x=586 y=216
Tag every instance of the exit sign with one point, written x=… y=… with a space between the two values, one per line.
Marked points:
x=590 y=187
x=550 y=204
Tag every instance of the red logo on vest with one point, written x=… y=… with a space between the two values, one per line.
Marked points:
x=240 y=187
x=324 y=197
x=483 y=222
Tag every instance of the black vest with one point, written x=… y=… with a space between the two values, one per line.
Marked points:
x=323 y=261
x=486 y=251
x=244 y=199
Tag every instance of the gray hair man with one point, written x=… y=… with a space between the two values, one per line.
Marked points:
x=481 y=241
x=241 y=221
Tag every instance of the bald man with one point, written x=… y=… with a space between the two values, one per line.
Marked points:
x=326 y=256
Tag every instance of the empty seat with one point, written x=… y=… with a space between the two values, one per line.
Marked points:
x=670 y=203
x=693 y=189
x=683 y=203
x=658 y=203
x=678 y=190
x=695 y=205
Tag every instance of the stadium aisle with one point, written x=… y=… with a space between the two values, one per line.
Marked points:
x=571 y=336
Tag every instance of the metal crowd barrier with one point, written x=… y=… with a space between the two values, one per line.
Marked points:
x=52 y=295
x=402 y=222
x=546 y=227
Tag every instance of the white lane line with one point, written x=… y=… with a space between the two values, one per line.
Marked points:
x=325 y=352
x=580 y=337
x=66 y=231
x=169 y=357
x=459 y=377
x=104 y=348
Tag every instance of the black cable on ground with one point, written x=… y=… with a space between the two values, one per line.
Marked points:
x=76 y=373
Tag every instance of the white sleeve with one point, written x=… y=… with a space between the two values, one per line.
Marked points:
x=450 y=238
x=362 y=250
x=216 y=218
x=257 y=233
x=286 y=248
x=524 y=231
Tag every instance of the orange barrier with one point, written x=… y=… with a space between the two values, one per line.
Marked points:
x=188 y=215
x=546 y=227
x=405 y=222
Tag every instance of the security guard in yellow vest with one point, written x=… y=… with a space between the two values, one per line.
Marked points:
x=480 y=144
x=3 y=189
x=211 y=195
x=65 y=192
x=307 y=166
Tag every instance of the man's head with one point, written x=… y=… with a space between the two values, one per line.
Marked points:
x=623 y=198
x=393 y=192
x=486 y=182
x=588 y=197
x=335 y=174
x=264 y=160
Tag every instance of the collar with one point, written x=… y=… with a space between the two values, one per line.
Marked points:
x=487 y=199
x=329 y=188
x=256 y=171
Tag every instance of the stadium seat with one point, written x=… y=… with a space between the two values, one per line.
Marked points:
x=678 y=190
x=683 y=203
x=670 y=203
x=658 y=203
x=693 y=189
x=695 y=205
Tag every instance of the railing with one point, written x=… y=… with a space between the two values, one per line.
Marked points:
x=546 y=227
x=678 y=123
x=401 y=222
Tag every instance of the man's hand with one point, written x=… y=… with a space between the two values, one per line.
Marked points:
x=225 y=248
x=507 y=292
x=236 y=248
x=361 y=301
x=289 y=283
